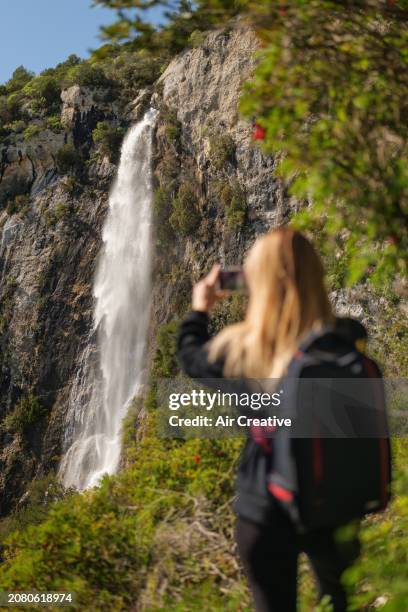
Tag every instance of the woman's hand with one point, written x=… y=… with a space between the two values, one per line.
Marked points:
x=205 y=292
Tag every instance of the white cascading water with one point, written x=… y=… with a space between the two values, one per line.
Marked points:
x=110 y=372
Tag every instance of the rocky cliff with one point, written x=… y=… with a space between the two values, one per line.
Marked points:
x=214 y=193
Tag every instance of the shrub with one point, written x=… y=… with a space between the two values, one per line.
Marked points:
x=132 y=71
x=45 y=93
x=31 y=131
x=26 y=412
x=5 y=117
x=41 y=494
x=19 y=204
x=13 y=106
x=222 y=150
x=68 y=184
x=61 y=210
x=233 y=199
x=54 y=123
x=173 y=127
x=196 y=38
x=86 y=75
x=108 y=139
x=66 y=158
x=20 y=77
x=17 y=126
x=162 y=204
x=185 y=217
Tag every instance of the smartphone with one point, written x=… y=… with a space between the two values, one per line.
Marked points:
x=232 y=279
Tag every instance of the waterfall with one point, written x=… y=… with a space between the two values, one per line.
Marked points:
x=110 y=369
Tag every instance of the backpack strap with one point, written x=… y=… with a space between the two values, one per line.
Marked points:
x=325 y=330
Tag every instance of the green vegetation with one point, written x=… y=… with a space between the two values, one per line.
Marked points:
x=44 y=92
x=383 y=566
x=173 y=127
x=185 y=217
x=66 y=158
x=85 y=74
x=19 y=204
x=31 y=131
x=27 y=411
x=59 y=212
x=6 y=303
x=222 y=150
x=118 y=543
x=54 y=123
x=40 y=495
x=108 y=139
x=344 y=137
x=233 y=199
x=26 y=96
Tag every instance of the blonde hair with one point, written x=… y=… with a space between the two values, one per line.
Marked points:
x=287 y=298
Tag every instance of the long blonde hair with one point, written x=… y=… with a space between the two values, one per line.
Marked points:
x=287 y=298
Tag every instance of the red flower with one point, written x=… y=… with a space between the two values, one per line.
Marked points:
x=197 y=459
x=259 y=132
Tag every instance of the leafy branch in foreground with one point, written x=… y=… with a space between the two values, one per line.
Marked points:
x=331 y=90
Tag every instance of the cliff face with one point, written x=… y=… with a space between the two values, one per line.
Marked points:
x=49 y=241
x=51 y=233
x=214 y=188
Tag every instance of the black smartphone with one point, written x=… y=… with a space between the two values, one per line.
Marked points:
x=232 y=279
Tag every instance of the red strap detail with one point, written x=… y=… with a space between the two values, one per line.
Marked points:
x=280 y=493
x=258 y=436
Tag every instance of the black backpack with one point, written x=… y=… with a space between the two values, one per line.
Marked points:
x=333 y=465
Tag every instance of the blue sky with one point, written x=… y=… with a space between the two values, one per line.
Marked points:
x=39 y=34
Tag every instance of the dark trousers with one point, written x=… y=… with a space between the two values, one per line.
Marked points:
x=270 y=553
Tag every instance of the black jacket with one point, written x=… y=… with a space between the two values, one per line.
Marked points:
x=253 y=500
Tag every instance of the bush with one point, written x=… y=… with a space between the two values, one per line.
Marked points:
x=185 y=217
x=173 y=127
x=12 y=110
x=17 y=126
x=41 y=494
x=132 y=71
x=196 y=38
x=233 y=199
x=61 y=210
x=162 y=204
x=45 y=93
x=68 y=184
x=20 y=77
x=54 y=123
x=26 y=412
x=19 y=204
x=108 y=139
x=66 y=158
x=87 y=75
x=222 y=150
x=31 y=131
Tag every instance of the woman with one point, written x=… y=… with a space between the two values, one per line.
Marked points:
x=287 y=300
